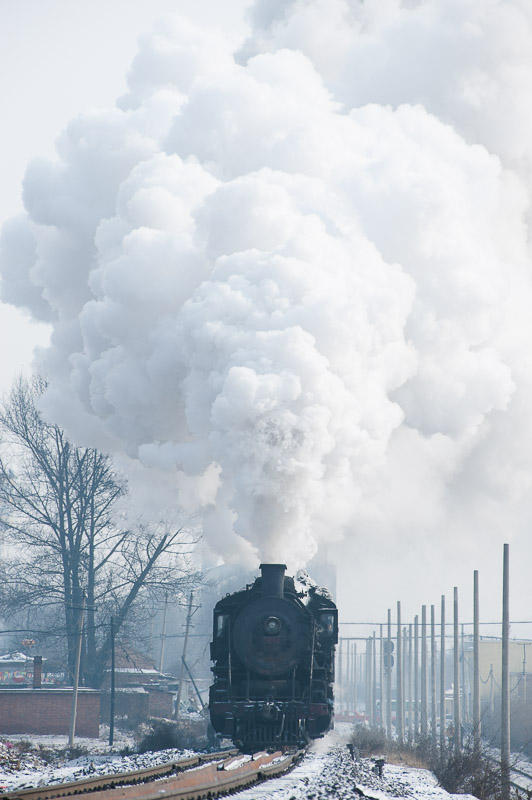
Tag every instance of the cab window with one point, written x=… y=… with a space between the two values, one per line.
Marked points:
x=327 y=623
x=220 y=625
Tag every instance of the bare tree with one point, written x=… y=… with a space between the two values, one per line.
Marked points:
x=56 y=508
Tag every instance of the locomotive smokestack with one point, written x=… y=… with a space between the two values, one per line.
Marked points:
x=273 y=579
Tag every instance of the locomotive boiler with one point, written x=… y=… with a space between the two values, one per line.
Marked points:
x=273 y=652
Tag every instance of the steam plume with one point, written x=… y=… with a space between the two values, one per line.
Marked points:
x=290 y=287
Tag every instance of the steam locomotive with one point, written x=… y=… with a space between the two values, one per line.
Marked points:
x=273 y=652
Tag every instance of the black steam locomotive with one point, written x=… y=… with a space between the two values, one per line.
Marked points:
x=273 y=652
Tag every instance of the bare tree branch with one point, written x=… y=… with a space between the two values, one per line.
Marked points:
x=56 y=510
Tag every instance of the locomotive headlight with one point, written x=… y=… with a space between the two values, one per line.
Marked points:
x=272 y=626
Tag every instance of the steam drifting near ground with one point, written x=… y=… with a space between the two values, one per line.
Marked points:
x=290 y=286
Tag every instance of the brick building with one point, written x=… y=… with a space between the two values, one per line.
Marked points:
x=141 y=691
x=47 y=711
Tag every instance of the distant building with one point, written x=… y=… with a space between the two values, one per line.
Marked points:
x=16 y=669
x=490 y=664
x=141 y=690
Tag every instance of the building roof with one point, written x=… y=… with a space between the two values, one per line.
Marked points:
x=16 y=658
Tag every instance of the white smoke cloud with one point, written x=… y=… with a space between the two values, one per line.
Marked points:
x=290 y=287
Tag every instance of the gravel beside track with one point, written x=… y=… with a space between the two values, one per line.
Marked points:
x=327 y=772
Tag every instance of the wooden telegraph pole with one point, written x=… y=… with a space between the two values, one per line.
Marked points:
x=163 y=635
x=424 y=726
x=456 y=676
x=476 y=666
x=399 y=675
x=112 y=698
x=505 y=683
x=443 y=720
x=74 y=709
x=183 y=656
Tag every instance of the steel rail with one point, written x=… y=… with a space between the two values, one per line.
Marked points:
x=514 y=771
x=113 y=780
x=205 y=775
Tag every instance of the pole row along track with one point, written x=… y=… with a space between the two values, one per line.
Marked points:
x=206 y=775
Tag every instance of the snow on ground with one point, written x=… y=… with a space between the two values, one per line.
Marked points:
x=122 y=740
x=328 y=772
x=520 y=767
x=44 y=760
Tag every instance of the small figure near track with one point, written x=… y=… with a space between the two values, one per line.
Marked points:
x=378 y=769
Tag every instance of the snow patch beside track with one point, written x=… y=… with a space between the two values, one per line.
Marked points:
x=327 y=772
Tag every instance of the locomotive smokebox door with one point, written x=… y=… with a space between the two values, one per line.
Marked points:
x=270 y=635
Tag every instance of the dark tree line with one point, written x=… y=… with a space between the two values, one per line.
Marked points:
x=63 y=547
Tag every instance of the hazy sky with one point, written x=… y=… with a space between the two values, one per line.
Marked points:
x=424 y=185
x=59 y=58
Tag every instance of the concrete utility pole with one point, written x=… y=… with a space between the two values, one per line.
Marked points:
x=374 y=686
x=410 y=698
x=348 y=677
x=523 y=675
x=399 y=675
x=505 y=682
x=416 y=675
x=456 y=676
x=183 y=657
x=405 y=678
x=381 y=678
x=368 y=680
x=389 y=683
x=355 y=676
x=74 y=709
x=465 y=701
x=339 y=678
x=443 y=721
x=476 y=666
x=424 y=725
x=433 y=675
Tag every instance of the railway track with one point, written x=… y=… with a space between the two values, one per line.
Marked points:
x=206 y=775
x=519 y=779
